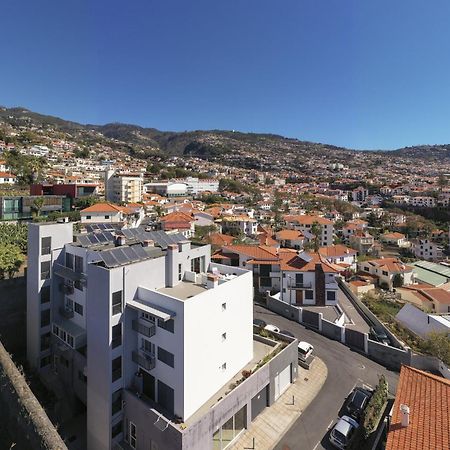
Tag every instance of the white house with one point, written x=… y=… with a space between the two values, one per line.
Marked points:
x=385 y=269
x=426 y=249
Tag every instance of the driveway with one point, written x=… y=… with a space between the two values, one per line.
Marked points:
x=346 y=369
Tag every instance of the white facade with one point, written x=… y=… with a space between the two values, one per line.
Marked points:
x=170 y=325
x=426 y=249
x=122 y=188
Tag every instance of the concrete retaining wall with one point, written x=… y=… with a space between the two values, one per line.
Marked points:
x=430 y=363
x=331 y=330
x=283 y=309
x=387 y=355
x=21 y=413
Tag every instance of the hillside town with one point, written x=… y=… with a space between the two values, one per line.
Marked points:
x=299 y=269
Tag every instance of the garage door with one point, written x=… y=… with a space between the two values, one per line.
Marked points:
x=282 y=381
x=259 y=402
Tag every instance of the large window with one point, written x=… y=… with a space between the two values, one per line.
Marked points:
x=45 y=341
x=46 y=244
x=116 y=402
x=230 y=430
x=309 y=294
x=45 y=270
x=116 y=303
x=78 y=308
x=166 y=357
x=45 y=294
x=45 y=318
x=116 y=429
x=78 y=264
x=69 y=260
x=331 y=296
x=116 y=335
x=116 y=367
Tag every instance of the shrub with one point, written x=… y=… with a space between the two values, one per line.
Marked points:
x=374 y=409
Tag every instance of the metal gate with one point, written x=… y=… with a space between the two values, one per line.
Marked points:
x=354 y=339
x=310 y=318
x=259 y=402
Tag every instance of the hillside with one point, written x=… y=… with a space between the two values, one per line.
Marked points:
x=250 y=150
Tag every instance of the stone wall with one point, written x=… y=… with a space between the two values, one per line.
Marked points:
x=22 y=415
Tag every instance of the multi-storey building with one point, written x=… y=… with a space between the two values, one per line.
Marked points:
x=123 y=187
x=426 y=249
x=149 y=335
x=305 y=224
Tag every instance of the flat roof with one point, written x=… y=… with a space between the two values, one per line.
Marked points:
x=183 y=290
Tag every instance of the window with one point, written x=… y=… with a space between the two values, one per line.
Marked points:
x=116 y=429
x=106 y=217
x=45 y=294
x=78 y=309
x=148 y=317
x=88 y=217
x=116 y=367
x=180 y=273
x=385 y=273
x=77 y=284
x=299 y=279
x=224 y=306
x=224 y=337
x=331 y=296
x=46 y=244
x=116 y=303
x=55 y=330
x=309 y=294
x=45 y=361
x=148 y=346
x=45 y=270
x=45 y=318
x=116 y=335
x=78 y=264
x=70 y=340
x=168 y=326
x=166 y=357
x=69 y=260
x=116 y=403
x=165 y=396
x=230 y=430
x=132 y=435
x=45 y=341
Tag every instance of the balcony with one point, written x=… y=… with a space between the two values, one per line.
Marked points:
x=146 y=361
x=148 y=330
x=66 y=312
x=67 y=273
x=294 y=285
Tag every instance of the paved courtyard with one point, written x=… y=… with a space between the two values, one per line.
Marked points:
x=269 y=427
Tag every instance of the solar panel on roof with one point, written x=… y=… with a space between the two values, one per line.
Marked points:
x=128 y=234
x=101 y=237
x=109 y=236
x=109 y=259
x=93 y=239
x=84 y=241
x=119 y=255
x=130 y=254
x=140 y=252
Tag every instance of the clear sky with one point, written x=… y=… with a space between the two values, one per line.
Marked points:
x=360 y=73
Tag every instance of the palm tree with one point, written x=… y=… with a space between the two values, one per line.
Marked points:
x=37 y=205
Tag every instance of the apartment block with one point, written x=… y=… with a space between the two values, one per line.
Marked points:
x=123 y=187
x=149 y=335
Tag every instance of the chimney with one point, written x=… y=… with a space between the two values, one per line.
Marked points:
x=120 y=240
x=148 y=243
x=212 y=281
x=404 y=409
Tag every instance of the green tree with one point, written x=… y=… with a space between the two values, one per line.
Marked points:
x=37 y=205
x=397 y=280
x=11 y=258
x=438 y=344
x=316 y=230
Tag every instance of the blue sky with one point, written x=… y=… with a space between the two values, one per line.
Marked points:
x=359 y=73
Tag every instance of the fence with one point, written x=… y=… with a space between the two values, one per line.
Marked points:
x=387 y=355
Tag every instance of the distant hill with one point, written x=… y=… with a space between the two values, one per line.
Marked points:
x=246 y=149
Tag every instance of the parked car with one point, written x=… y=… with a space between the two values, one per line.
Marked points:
x=304 y=350
x=287 y=333
x=357 y=402
x=342 y=432
x=259 y=323
x=273 y=328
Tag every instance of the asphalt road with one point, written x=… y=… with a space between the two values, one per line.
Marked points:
x=346 y=369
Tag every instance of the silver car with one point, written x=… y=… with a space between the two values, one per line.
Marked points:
x=343 y=431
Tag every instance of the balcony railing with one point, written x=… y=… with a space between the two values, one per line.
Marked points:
x=144 y=360
x=66 y=312
x=294 y=285
x=147 y=330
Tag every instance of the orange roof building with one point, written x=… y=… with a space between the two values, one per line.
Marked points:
x=428 y=399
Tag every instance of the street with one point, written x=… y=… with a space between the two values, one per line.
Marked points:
x=346 y=368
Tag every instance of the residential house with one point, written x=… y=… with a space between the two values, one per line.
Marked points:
x=396 y=239
x=427 y=249
x=420 y=415
x=385 y=269
x=304 y=223
x=363 y=242
x=236 y=224
x=290 y=239
x=131 y=216
x=340 y=255
x=180 y=222
x=423 y=323
x=7 y=178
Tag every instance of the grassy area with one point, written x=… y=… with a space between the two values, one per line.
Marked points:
x=385 y=310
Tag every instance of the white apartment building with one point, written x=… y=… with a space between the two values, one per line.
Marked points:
x=144 y=331
x=424 y=201
x=426 y=249
x=123 y=187
x=360 y=194
x=241 y=223
x=304 y=223
x=182 y=186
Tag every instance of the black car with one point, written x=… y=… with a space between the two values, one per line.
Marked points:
x=287 y=333
x=259 y=323
x=357 y=402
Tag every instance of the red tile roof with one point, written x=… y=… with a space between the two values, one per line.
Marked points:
x=428 y=397
x=307 y=220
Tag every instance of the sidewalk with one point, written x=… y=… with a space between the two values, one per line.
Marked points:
x=269 y=427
